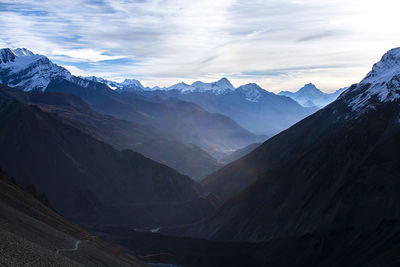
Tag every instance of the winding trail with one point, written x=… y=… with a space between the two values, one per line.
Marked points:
x=75 y=248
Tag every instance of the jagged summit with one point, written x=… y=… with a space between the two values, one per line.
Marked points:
x=252 y=91
x=218 y=87
x=381 y=84
x=21 y=69
x=386 y=68
x=129 y=82
x=22 y=52
x=6 y=56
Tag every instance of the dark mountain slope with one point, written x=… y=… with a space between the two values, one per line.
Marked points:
x=31 y=233
x=87 y=180
x=187 y=159
x=185 y=121
x=236 y=176
x=337 y=169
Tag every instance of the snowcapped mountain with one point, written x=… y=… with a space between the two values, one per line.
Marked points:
x=382 y=84
x=129 y=85
x=309 y=96
x=252 y=91
x=221 y=86
x=22 y=69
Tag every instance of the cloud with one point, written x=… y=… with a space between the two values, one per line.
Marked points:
x=279 y=42
x=82 y=55
x=318 y=36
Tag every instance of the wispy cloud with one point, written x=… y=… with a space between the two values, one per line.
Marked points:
x=279 y=43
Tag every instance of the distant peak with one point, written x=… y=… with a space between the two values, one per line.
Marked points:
x=132 y=82
x=224 y=82
x=309 y=86
x=252 y=91
x=182 y=83
x=250 y=86
x=309 y=89
x=93 y=79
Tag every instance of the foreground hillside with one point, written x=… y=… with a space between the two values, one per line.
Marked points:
x=33 y=234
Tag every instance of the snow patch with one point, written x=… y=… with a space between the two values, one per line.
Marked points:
x=381 y=83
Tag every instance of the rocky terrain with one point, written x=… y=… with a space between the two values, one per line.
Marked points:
x=32 y=234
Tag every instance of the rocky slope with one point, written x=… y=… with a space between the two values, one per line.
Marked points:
x=33 y=234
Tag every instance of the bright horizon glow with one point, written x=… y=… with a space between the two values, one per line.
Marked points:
x=281 y=45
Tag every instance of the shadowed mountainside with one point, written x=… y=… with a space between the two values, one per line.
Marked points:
x=187 y=159
x=87 y=180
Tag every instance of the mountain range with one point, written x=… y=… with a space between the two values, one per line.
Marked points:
x=184 y=122
x=252 y=107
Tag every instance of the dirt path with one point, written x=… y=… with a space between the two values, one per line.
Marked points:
x=75 y=248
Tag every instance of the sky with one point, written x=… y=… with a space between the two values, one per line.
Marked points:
x=279 y=44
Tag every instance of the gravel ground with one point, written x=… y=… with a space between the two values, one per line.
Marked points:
x=25 y=241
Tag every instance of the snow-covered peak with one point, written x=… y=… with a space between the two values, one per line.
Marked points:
x=221 y=86
x=24 y=70
x=183 y=87
x=252 y=91
x=381 y=84
x=225 y=84
x=131 y=82
x=126 y=85
x=94 y=79
x=386 y=68
x=6 y=56
x=22 y=52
